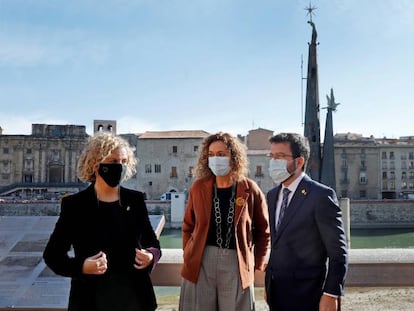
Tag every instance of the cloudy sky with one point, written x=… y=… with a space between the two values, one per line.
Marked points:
x=230 y=65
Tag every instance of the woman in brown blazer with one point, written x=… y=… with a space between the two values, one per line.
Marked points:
x=225 y=230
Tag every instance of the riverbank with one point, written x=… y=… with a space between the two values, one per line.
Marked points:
x=355 y=299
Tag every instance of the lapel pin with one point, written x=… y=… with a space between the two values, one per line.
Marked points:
x=239 y=201
x=303 y=191
x=128 y=208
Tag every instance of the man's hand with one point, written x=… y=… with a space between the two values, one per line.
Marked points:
x=328 y=303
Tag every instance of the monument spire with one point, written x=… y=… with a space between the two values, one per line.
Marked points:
x=312 y=124
x=328 y=160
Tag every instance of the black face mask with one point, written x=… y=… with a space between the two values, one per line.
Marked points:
x=111 y=173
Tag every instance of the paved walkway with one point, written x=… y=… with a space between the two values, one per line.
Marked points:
x=356 y=299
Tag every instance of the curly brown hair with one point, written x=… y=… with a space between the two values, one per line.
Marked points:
x=98 y=149
x=238 y=159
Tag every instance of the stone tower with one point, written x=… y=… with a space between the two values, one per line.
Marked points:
x=104 y=126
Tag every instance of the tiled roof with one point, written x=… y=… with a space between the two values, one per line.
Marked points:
x=173 y=134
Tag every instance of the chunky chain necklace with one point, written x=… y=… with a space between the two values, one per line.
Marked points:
x=218 y=218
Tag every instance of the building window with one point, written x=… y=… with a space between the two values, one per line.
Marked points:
x=384 y=155
x=403 y=156
x=29 y=151
x=55 y=156
x=411 y=185
x=344 y=177
x=411 y=175
x=411 y=165
x=191 y=171
x=403 y=185
x=5 y=150
x=403 y=165
x=174 y=149
x=384 y=185
x=344 y=164
x=392 y=175
x=403 y=175
x=148 y=168
x=195 y=149
x=392 y=157
x=174 y=172
x=392 y=165
x=392 y=185
x=384 y=175
x=28 y=165
x=259 y=172
x=411 y=155
x=362 y=194
x=362 y=178
x=157 y=168
x=384 y=165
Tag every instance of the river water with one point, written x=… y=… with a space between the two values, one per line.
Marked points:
x=360 y=238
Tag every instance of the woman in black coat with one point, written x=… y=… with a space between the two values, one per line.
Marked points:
x=103 y=238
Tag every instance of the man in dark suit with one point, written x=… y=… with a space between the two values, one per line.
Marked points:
x=308 y=259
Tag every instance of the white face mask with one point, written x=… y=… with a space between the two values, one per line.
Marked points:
x=220 y=166
x=278 y=170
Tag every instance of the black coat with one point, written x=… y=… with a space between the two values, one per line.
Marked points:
x=81 y=227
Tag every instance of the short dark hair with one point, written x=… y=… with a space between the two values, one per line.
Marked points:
x=299 y=144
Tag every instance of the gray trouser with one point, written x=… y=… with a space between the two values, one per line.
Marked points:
x=218 y=286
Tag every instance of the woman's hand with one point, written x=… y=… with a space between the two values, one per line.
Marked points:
x=143 y=258
x=96 y=264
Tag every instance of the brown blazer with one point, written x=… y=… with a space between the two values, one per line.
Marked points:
x=251 y=222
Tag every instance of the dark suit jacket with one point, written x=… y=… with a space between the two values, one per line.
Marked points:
x=311 y=232
x=79 y=227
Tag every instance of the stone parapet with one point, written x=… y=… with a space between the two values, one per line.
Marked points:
x=362 y=214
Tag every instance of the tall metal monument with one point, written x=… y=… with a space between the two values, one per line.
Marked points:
x=312 y=125
x=328 y=160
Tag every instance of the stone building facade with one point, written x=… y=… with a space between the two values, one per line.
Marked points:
x=48 y=156
x=166 y=161
x=356 y=167
x=366 y=168
x=371 y=168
